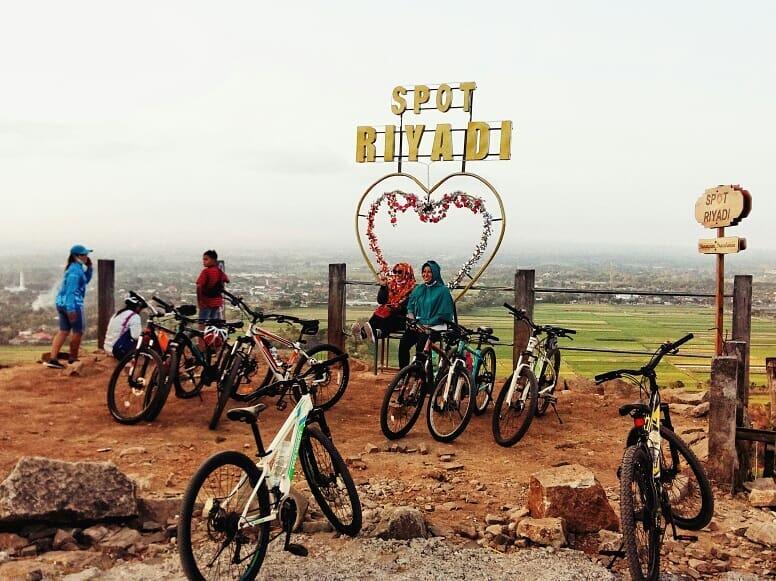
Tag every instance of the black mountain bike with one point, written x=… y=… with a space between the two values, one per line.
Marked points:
x=662 y=483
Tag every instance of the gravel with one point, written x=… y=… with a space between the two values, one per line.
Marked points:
x=375 y=559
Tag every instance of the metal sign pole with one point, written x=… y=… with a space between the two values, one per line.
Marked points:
x=720 y=298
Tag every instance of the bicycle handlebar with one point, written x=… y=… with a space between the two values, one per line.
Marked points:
x=649 y=368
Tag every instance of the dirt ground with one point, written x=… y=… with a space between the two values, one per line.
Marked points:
x=46 y=412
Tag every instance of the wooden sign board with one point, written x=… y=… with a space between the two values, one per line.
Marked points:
x=725 y=245
x=723 y=206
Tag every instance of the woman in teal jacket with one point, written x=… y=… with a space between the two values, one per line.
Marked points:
x=70 y=304
x=431 y=304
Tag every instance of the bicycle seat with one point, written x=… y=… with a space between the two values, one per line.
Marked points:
x=640 y=409
x=249 y=415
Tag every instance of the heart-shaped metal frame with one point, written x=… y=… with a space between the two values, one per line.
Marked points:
x=429 y=191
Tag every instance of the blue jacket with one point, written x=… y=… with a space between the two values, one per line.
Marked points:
x=73 y=289
x=432 y=303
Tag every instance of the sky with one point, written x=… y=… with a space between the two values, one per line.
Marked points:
x=162 y=126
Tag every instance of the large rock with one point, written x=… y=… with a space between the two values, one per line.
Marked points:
x=762 y=497
x=55 y=491
x=763 y=533
x=543 y=531
x=402 y=523
x=573 y=493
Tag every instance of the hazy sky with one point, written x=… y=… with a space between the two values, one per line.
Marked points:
x=232 y=124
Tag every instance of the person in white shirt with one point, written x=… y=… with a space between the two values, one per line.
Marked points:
x=127 y=320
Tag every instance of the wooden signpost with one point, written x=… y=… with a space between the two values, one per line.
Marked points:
x=719 y=208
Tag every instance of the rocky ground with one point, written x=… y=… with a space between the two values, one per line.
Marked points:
x=472 y=493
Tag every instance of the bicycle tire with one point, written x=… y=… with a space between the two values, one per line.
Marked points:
x=226 y=388
x=526 y=410
x=170 y=369
x=436 y=407
x=324 y=485
x=486 y=374
x=685 y=515
x=192 y=383
x=554 y=360
x=640 y=530
x=323 y=398
x=117 y=405
x=192 y=501
x=409 y=399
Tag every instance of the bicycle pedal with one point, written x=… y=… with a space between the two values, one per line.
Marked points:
x=690 y=538
x=296 y=549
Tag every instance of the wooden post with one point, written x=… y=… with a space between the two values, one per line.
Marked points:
x=722 y=465
x=770 y=372
x=742 y=315
x=524 y=299
x=719 y=300
x=336 y=322
x=739 y=350
x=106 y=301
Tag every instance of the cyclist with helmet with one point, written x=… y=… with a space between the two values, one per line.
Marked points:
x=124 y=328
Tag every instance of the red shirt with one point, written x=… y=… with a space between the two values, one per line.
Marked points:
x=207 y=281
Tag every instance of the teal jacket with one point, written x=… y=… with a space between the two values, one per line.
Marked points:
x=432 y=303
x=73 y=289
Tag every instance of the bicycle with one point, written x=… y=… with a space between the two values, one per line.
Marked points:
x=234 y=509
x=448 y=388
x=142 y=368
x=658 y=484
x=198 y=367
x=481 y=362
x=518 y=401
x=330 y=383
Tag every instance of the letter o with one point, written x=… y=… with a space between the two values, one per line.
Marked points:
x=444 y=98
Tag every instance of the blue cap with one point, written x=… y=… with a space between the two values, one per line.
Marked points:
x=80 y=249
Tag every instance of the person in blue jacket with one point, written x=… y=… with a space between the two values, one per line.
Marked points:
x=70 y=304
x=431 y=304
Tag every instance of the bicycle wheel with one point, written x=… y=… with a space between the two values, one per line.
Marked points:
x=402 y=402
x=447 y=415
x=511 y=419
x=328 y=383
x=639 y=515
x=685 y=482
x=485 y=380
x=188 y=378
x=549 y=377
x=170 y=370
x=226 y=389
x=330 y=481
x=214 y=542
x=133 y=384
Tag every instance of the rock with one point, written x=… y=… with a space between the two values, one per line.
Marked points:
x=762 y=498
x=402 y=523
x=4 y=556
x=493 y=530
x=680 y=396
x=760 y=483
x=495 y=519
x=371 y=449
x=681 y=408
x=220 y=439
x=64 y=541
x=435 y=529
x=132 y=451
x=700 y=410
x=94 y=534
x=85 y=575
x=573 y=493
x=158 y=509
x=10 y=543
x=518 y=514
x=302 y=504
x=609 y=541
x=55 y=491
x=151 y=526
x=466 y=531
x=121 y=542
x=453 y=466
x=422 y=449
x=75 y=369
x=543 y=531
x=450 y=505
x=701 y=449
x=763 y=533
x=446 y=457
x=316 y=526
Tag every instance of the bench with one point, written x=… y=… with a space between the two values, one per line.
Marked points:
x=383 y=353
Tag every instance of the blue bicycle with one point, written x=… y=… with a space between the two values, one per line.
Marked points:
x=480 y=361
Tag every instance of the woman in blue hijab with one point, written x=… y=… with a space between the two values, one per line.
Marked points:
x=430 y=304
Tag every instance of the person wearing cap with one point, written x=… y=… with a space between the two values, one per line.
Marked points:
x=70 y=304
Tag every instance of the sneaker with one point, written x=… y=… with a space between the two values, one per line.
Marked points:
x=367 y=330
x=54 y=364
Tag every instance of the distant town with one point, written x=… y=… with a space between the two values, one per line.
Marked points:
x=27 y=291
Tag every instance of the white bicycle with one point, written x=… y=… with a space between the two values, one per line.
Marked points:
x=224 y=525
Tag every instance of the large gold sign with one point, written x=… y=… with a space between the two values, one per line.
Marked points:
x=722 y=206
x=411 y=142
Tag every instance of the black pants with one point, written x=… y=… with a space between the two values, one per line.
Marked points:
x=384 y=326
x=409 y=339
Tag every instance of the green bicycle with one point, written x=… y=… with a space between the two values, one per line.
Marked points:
x=481 y=362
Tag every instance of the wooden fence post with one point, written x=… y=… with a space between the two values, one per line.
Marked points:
x=740 y=350
x=722 y=465
x=770 y=372
x=742 y=315
x=336 y=321
x=524 y=299
x=106 y=301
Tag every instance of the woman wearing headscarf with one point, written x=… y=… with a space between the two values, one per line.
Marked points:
x=393 y=296
x=431 y=305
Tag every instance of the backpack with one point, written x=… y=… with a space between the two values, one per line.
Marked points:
x=125 y=343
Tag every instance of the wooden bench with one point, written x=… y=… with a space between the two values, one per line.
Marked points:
x=383 y=354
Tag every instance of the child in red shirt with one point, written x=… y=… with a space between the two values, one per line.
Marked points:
x=210 y=284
